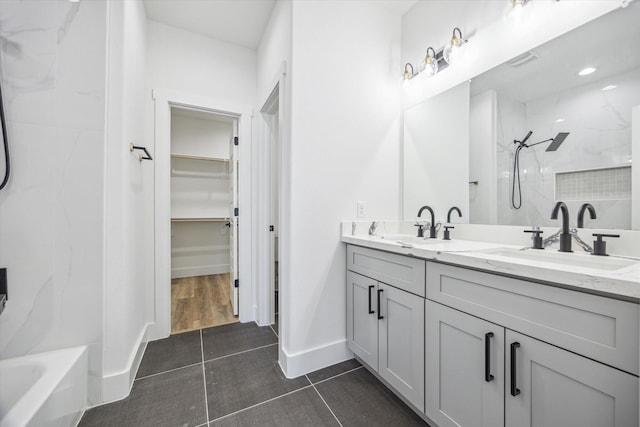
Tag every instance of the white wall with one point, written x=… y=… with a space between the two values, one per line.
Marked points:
x=344 y=148
x=129 y=194
x=186 y=62
x=51 y=212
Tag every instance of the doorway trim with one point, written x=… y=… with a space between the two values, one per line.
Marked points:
x=262 y=196
x=164 y=100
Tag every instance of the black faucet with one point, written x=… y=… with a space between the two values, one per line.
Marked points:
x=432 y=228
x=565 y=237
x=592 y=214
x=455 y=208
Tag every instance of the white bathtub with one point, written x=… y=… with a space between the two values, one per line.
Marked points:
x=44 y=389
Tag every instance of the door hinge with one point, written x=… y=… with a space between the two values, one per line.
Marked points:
x=271 y=228
x=236 y=283
x=235 y=211
x=235 y=140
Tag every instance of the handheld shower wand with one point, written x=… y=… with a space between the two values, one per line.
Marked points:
x=555 y=143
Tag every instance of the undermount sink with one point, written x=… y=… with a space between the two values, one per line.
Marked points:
x=574 y=259
x=405 y=238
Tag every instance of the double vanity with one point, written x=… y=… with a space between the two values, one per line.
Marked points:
x=471 y=333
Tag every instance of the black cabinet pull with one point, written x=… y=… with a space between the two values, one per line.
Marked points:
x=514 y=390
x=380 y=316
x=487 y=357
x=370 y=287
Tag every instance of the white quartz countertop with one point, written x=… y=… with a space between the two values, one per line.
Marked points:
x=547 y=267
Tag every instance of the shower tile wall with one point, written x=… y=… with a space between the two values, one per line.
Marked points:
x=53 y=82
x=600 y=126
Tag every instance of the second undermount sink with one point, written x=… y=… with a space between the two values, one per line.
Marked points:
x=573 y=259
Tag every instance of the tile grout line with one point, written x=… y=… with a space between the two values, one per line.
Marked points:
x=262 y=403
x=240 y=352
x=325 y=402
x=204 y=379
x=337 y=375
x=274 y=331
x=167 y=371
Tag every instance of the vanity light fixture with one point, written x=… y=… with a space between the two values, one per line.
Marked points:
x=451 y=49
x=519 y=3
x=430 y=65
x=408 y=72
x=609 y=87
x=587 y=71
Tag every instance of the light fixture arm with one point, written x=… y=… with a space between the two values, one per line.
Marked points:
x=433 y=54
x=459 y=32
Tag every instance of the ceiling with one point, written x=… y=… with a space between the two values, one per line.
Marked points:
x=609 y=43
x=240 y=22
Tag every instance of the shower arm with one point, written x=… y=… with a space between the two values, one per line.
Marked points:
x=541 y=142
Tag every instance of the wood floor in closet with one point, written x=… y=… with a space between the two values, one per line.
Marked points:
x=200 y=302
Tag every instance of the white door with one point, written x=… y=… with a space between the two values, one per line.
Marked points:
x=233 y=219
x=401 y=342
x=464 y=369
x=554 y=387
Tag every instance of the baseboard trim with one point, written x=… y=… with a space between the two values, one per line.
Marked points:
x=117 y=386
x=294 y=365
x=206 y=270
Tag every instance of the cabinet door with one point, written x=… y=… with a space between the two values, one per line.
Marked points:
x=362 y=319
x=464 y=365
x=401 y=337
x=554 y=387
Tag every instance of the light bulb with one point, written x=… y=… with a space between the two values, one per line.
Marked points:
x=451 y=49
x=430 y=64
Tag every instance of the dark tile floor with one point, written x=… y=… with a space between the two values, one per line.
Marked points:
x=229 y=376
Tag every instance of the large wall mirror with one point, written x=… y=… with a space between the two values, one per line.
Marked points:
x=542 y=92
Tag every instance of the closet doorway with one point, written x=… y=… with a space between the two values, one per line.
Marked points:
x=204 y=226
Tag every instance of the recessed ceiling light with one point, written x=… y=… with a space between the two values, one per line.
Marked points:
x=610 y=87
x=559 y=120
x=586 y=71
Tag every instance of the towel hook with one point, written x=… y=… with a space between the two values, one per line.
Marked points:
x=141 y=157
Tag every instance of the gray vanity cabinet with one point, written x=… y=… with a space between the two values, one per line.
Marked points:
x=464 y=369
x=552 y=384
x=385 y=323
x=554 y=387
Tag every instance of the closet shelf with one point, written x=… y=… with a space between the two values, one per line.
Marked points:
x=217 y=219
x=188 y=157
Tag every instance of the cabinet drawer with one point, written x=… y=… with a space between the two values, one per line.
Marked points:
x=397 y=270
x=600 y=328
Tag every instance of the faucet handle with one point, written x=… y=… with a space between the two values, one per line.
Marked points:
x=447 y=235
x=537 y=238
x=599 y=245
x=420 y=229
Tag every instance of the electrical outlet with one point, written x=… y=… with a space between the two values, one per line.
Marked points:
x=361 y=208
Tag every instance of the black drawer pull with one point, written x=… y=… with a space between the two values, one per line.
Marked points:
x=487 y=357
x=514 y=390
x=370 y=287
x=380 y=316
